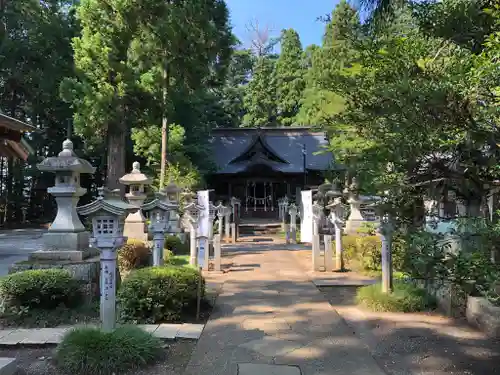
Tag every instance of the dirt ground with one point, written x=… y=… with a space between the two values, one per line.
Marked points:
x=37 y=361
x=418 y=343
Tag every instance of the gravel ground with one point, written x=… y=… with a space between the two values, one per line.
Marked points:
x=418 y=343
x=37 y=361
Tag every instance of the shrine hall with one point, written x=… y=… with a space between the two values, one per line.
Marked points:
x=261 y=165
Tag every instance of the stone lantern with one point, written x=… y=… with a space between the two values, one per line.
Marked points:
x=191 y=216
x=108 y=212
x=171 y=195
x=220 y=218
x=66 y=238
x=135 y=223
x=337 y=212
x=159 y=217
x=212 y=213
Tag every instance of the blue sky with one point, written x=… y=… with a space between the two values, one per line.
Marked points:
x=300 y=15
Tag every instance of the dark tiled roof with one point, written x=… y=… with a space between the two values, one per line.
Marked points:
x=286 y=143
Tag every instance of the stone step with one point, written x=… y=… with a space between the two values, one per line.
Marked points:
x=8 y=366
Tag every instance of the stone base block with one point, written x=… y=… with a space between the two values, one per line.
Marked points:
x=54 y=255
x=87 y=271
x=135 y=231
x=62 y=241
x=352 y=226
x=484 y=315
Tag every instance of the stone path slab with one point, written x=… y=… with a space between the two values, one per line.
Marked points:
x=258 y=369
x=343 y=282
x=43 y=336
x=8 y=366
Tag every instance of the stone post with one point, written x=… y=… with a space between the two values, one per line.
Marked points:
x=234 y=235
x=328 y=253
x=293 y=211
x=220 y=219
x=217 y=253
x=227 y=225
x=158 y=241
x=135 y=224
x=192 y=245
x=66 y=238
x=316 y=249
x=385 y=231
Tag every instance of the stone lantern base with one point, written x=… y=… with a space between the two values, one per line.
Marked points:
x=352 y=226
x=65 y=246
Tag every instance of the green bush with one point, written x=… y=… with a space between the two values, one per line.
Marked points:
x=40 y=289
x=85 y=351
x=159 y=294
x=174 y=244
x=405 y=297
x=167 y=256
x=135 y=254
x=349 y=248
x=370 y=252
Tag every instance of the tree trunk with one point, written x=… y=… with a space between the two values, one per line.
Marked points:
x=116 y=158
x=164 y=128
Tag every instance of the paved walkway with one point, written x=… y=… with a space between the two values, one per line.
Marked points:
x=271 y=320
x=42 y=336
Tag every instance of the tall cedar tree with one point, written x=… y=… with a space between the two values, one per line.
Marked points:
x=260 y=96
x=289 y=77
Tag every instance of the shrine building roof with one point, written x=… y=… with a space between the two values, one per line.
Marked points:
x=12 y=142
x=282 y=149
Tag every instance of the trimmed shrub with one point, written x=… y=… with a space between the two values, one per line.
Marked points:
x=370 y=252
x=85 y=351
x=167 y=256
x=174 y=244
x=42 y=289
x=159 y=294
x=135 y=254
x=349 y=248
x=405 y=297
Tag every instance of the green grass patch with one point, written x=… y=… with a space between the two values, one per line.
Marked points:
x=179 y=260
x=405 y=297
x=85 y=351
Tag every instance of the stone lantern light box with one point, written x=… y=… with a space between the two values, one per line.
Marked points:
x=66 y=238
x=135 y=223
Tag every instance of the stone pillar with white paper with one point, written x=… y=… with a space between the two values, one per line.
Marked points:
x=293 y=212
x=306 y=223
x=318 y=264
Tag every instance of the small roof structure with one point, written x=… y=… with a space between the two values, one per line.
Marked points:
x=12 y=142
x=136 y=177
x=66 y=161
x=281 y=149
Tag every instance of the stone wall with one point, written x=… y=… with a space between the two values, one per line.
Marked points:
x=484 y=315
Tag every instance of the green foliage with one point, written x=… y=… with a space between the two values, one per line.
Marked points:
x=368 y=228
x=159 y=294
x=39 y=289
x=404 y=298
x=174 y=244
x=134 y=254
x=260 y=96
x=349 y=248
x=369 y=250
x=86 y=351
x=424 y=256
x=289 y=77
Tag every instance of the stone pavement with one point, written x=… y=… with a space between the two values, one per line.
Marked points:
x=271 y=320
x=16 y=245
x=43 y=336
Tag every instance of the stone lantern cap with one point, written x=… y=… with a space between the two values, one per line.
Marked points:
x=66 y=161
x=136 y=177
x=172 y=188
x=109 y=202
x=159 y=204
